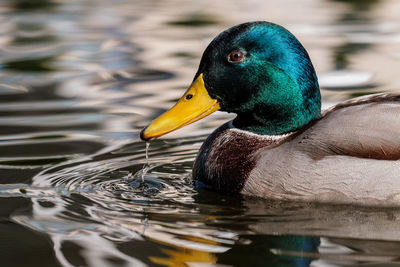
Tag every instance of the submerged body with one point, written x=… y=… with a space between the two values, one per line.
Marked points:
x=280 y=145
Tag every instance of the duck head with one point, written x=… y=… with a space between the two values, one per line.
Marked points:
x=257 y=70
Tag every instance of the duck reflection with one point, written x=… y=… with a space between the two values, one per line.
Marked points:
x=203 y=227
x=254 y=247
x=296 y=234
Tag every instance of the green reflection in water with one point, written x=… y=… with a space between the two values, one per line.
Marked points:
x=32 y=4
x=20 y=40
x=358 y=12
x=343 y=53
x=35 y=64
x=274 y=250
x=283 y=250
x=360 y=4
x=38 y=33
x=184 y=55
x=195 y=20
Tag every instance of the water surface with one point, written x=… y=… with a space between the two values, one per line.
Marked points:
x=79 y=79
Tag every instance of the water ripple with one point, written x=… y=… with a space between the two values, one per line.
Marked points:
x=80 y=79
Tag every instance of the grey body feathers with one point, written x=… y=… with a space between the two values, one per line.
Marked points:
x=350 y=155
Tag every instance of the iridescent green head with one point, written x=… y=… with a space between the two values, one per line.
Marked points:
x=257 y=70
x=261 y=72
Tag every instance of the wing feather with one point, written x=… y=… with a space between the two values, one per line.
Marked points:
x=366 y=127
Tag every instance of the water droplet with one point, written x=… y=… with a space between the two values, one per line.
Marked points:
x=146 y=166
x=147 y=152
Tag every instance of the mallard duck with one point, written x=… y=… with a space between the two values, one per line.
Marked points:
x=280 y=145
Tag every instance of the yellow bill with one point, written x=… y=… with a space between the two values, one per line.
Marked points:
x=195 y=104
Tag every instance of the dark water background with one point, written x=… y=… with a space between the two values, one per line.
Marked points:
x=79 y=79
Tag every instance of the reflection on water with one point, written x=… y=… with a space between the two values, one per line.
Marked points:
x=79 y=79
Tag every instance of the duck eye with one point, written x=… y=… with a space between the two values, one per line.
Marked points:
x=236 y=56
x=189 y=96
